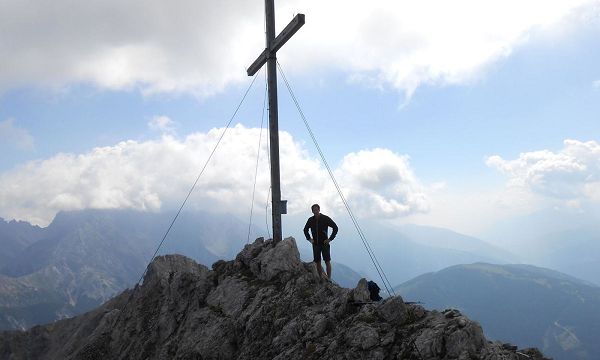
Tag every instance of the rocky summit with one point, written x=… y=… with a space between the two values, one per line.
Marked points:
x=265 y=304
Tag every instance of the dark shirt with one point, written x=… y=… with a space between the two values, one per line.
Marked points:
x=318 y=228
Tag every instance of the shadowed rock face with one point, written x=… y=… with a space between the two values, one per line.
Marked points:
x=265 y=304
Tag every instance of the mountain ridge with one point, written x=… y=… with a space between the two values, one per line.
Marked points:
x=83 y=259
x=16 y=236
x=265 y=304
x=554 y=311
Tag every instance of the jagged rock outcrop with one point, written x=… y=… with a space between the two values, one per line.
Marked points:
x=265 y=304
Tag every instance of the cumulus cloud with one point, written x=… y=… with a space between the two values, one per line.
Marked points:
x=571 y=175
x=157 y=174
x=15 y=136
x=380 y=183
x=163 y=124
x=202 y=46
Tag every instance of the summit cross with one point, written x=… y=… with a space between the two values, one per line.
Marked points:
x=268 y=56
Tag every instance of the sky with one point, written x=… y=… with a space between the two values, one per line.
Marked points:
x=461 y=114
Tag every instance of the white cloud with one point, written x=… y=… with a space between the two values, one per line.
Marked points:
x=163 y=124
x=15 y=136
x=570 y=175
x=191 y=46
x=379 y=183
x=596 y=84
x=202 y=46
x=155 y=174
x=406 y=44
x=538 y=182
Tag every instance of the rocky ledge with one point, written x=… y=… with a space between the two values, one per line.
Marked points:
x=265 y=304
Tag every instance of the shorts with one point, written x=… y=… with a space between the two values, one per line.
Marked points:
x=318 y=249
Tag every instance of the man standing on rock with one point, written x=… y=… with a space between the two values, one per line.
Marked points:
x=318 y=224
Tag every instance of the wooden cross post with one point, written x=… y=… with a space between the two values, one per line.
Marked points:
x=269 y=56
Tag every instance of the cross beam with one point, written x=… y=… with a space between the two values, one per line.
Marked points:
x=268 y=56
x=281 y=39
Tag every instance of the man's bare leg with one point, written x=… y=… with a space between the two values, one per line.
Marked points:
x=319 y=268
x=328 y=267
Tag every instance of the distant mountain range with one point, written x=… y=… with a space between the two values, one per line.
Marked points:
x=409 y=251
x=447 y=239
x=567 y=241
x=520 y=304
x=15 y=236
x=575 y=252
x=83 y=258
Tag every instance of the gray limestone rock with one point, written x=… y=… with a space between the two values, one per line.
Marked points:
x=267 y=261
x=266 y=304
x=229 y=296
x=361 y=292
x=362 y=336
x=393 y=310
